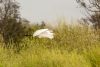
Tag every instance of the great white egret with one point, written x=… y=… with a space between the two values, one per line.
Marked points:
x=44 y=33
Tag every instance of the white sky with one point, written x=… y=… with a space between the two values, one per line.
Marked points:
x=49 y=10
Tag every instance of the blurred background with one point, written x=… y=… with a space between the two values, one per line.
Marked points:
x=50 y=10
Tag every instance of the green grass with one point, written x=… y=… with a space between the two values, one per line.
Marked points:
x=72 y=47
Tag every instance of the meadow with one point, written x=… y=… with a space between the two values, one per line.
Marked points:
x=73 y=46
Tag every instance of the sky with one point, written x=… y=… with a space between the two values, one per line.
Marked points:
x=50 y=10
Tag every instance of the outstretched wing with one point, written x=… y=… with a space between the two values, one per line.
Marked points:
x=38 y=32
x=44 y=33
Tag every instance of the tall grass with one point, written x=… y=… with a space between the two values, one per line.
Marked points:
x=73 y=46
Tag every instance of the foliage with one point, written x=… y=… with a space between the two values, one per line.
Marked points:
x=92 y=7
x=10 y=22
x=72 y=47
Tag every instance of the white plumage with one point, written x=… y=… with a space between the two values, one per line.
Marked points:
x=44 y=33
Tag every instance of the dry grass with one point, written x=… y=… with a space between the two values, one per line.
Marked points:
x=72 y=47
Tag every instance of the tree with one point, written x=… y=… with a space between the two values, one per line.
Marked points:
x=92 y=7
x=10 y=22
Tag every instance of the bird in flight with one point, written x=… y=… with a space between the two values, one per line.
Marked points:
x=44 y=33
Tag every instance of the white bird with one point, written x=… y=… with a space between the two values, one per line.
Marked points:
x=44 y=33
